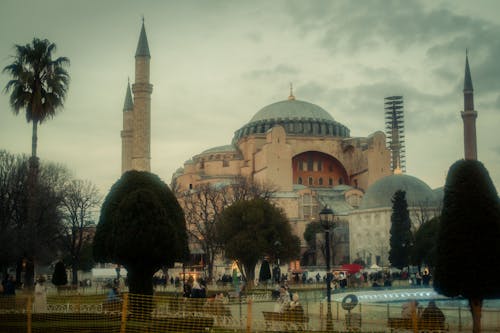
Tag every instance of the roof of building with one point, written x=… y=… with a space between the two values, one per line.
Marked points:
x=296 y=117
x=380 y=194
x=220 y=149
x=334 y=198
x=129 y=104
x=292 y=109
x=142 y=45
x=467 y=78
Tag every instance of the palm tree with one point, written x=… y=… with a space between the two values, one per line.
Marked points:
x=38 y=84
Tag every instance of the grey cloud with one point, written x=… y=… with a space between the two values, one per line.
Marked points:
x=280 y=69
x=363 y=106
x=254 y=36
x=495 y=150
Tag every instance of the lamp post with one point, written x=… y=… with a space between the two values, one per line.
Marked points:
x=277 y=269
x=326 y=218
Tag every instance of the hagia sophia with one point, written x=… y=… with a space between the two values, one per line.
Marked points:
x=310 y=158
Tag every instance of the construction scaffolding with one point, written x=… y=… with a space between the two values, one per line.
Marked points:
x=395 y=131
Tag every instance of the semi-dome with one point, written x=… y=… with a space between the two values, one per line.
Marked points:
x=297 y=118
x=380 y=194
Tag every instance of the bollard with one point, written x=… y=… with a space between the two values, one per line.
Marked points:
x=123 y=323
x=28 y=314
x=249 y=316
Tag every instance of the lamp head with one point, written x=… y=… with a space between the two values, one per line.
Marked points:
x=326 y=216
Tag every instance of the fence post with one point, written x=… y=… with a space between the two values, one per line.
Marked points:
x=249 y=315
x=360 y=315
x=28 y=314
x=459 y=318
x=321 y=315
x=123 y=323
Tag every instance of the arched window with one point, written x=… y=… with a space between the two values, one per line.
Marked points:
x=330 y=181
x=299 y=180
x=341 y=181
x=320 y=181
x=311 y=181
x=310 y=164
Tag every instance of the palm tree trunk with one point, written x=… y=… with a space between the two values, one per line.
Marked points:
x=476 y=305
x=31 y=214
x=34 y=139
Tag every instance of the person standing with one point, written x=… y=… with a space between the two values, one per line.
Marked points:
x=40 y=303
x=9 y=286
x=432 y=317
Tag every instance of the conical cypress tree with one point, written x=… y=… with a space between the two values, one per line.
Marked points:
x=468 y=245
x=401 y=238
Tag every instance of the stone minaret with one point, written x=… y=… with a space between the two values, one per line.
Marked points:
x=469 y=116
x=142 y=89
x=127 y=132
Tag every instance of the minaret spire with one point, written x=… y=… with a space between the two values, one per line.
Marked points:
x=127 y=134
x=469 y=115
x=142 y=45
x=142 y=89
x=129 y=104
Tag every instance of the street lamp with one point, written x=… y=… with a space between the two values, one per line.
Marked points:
x=326 y=219
x=277 y=269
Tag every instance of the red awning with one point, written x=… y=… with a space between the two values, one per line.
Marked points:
x=352 y=268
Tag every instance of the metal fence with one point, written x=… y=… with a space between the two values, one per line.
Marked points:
x=252 y=313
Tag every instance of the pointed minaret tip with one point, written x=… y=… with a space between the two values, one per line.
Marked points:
x=129 y=104
x=142 y=45
x=467 y=77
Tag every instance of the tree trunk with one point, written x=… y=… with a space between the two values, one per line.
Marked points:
x=140 y=284
x=140 y=280
x=74 y=272
x=476 y=305
x=249 y=269
x=34 y=138
x=210 y=265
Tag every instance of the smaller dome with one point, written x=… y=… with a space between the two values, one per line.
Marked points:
x=220 y=149
x=380 y=194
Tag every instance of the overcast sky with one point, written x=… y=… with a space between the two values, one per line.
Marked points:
x=214 y=64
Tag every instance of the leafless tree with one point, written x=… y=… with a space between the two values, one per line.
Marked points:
x=80 y=199
x=203 y=205
x=423 y=212
x=26 y=240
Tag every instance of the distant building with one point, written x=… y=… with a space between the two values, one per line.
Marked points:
x=299 y=148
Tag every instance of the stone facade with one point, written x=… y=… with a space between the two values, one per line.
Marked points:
x=310 y=161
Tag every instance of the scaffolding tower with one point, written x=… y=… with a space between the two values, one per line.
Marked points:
x=395 y=131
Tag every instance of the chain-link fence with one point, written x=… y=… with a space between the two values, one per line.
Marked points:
x=253 y=313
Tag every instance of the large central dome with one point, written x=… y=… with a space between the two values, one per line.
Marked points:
x=297 y=118
x=292 y=109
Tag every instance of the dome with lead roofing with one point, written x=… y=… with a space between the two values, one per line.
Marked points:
x=297 y=118
x=380 y=194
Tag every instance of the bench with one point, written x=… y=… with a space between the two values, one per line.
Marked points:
x=285 y=320
x=112 y=306
x=220 y=312
x=423 y=326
